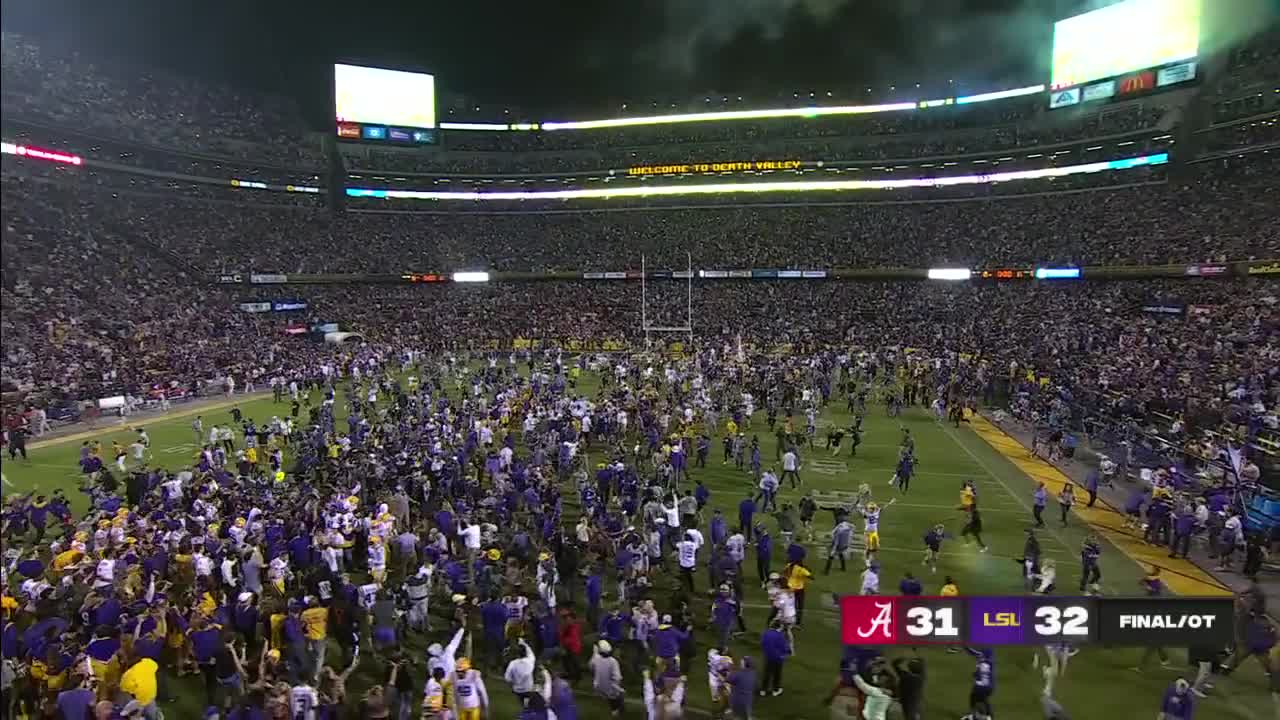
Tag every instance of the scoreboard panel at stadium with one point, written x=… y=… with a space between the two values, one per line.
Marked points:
x=1036 y=620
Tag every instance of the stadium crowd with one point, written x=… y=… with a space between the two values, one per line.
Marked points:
x=404 y=496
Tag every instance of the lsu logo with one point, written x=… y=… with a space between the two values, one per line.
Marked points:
x=1001 y=619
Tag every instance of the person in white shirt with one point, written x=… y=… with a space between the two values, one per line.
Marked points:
x=687 y=556
x=791 y=467
x=519 y=673
x=871 y=579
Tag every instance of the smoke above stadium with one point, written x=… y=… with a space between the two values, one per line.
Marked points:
x=792 y=44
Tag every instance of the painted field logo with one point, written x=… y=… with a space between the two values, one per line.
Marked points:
x=867 y=620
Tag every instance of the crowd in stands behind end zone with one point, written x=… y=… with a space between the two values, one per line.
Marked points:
x=1220 y=211
x=107 y=294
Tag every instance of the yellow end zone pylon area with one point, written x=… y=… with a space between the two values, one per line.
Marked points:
x=1182 y=576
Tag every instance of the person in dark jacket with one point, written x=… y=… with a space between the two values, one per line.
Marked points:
x=777 y=648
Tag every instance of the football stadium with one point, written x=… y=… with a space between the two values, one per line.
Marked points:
x=732 y=359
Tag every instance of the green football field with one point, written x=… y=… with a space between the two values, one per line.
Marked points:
x=1099 y=684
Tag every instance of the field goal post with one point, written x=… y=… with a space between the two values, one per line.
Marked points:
x=685 y=329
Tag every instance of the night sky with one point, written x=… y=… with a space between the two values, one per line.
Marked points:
x=573 y=58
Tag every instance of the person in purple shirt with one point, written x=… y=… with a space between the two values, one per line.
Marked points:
x=666 y=643
x=493 y=619
x=764 y=552
x=746 y=510
x=1178 y=703
x=1040 y=499
x=910 y=585
x=595 y=589
x=77 y=702
x=742 y=691
x=1091 y=486
x=777 y=648
x=719 y=528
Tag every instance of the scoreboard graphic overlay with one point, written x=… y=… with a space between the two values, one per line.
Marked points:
x=1035 y=620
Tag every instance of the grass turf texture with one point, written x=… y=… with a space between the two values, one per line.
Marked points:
x=1099 y=682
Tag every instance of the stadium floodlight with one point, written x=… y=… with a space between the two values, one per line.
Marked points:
x=949 y=273
x=1000 y=94
x=473 y=126
x=807 y=112
x=1047 y=273
x=471 y=277
x=758 y=187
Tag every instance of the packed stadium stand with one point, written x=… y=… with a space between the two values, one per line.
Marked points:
x=116 y=255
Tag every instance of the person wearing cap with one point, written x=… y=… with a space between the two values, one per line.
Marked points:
x=666 y=641
x=606 y=676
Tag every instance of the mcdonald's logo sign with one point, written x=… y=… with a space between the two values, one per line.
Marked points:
x=1137 y=82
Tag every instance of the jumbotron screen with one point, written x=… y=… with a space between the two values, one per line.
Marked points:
x=381 y=97
x=1120 y=38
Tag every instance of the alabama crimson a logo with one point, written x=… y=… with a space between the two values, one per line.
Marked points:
x=867 y=620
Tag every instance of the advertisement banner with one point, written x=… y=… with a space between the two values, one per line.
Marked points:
x=1167 y=309
x=255 y=307
x=661 y=274
x=682 y=274
x=1206 y=270
x=1099 y=91
x=764 y=273
x=295 y=330
x=812 y=274
x=593 y=276
x=790 y=274
x=1137 y=82
x=268 y=279
x=1063 y=98
x=288 y=305
x=739 y=273
x=324 y=327
x=615 y=276
x=1175 y=74
x=1265 y=268
x=713 y=273
x=348 y=130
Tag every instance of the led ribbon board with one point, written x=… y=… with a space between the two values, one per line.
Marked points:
x=761 y=187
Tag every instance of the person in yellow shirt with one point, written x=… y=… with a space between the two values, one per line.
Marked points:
x=251 y=455
x=798 y=577
x=139 y=681
x=949 y=588
x=315 y=625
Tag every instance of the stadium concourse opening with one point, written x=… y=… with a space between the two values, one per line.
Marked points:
x=387 y=384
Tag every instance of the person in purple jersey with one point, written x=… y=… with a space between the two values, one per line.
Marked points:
x=1178 y=702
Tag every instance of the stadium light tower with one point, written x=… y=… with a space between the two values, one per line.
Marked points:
x=687 y=328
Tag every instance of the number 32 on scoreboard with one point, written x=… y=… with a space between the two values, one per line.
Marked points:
x=1063 y=620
